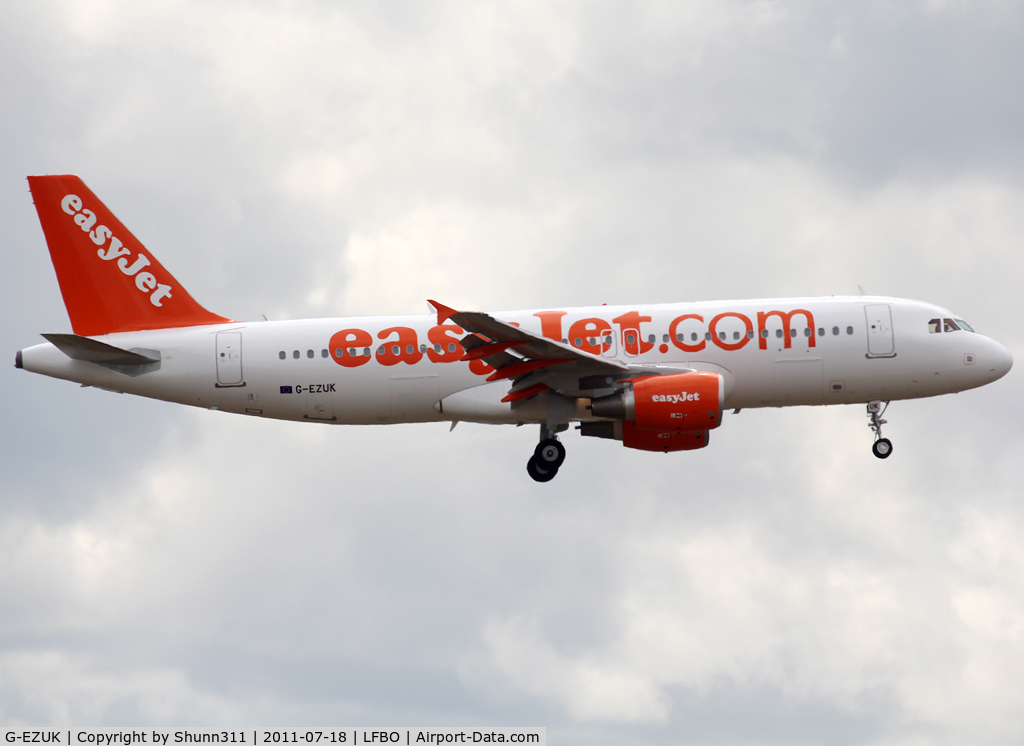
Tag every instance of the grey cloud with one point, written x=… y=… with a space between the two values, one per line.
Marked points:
x=869 y=95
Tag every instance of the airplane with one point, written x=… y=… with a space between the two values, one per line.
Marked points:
x=653 y=377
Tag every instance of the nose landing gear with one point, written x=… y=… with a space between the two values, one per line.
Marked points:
x=547 y=457
x=882 y=447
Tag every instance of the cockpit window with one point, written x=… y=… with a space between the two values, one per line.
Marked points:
x=964 y=325
x=948 y=325
x=935 y=326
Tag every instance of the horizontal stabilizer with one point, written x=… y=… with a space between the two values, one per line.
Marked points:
x=94 y=351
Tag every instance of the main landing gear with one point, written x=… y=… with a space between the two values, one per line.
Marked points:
x=882 y=447
x=547 y=457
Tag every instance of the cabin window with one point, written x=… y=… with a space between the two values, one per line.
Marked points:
x=396 y=350
x=380 y=350
x=309 y=353
x=792 y=333
x=849 y=330
x=721 y=336
x=631 y=339
x=295 y=354
x=451 y=347
x=948 y=325
x=409 y=349
x=339 y=352
x=964 y=325
x=750 y=333
x=608 y=340
x=437 y=348
x=735 y=335
x=366 y=351
x=282 y=355
x=778 y=333
x=835 y=331
x=324 y=353
x=764 y=334
x=591 y=341
x=693 y=337
x=821 y=331
x=578 y=341
x=651 y=338
x=707 y=336
x=423 y=348
x=807 y=331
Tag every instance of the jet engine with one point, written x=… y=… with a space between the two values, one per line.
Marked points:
x=661 y=413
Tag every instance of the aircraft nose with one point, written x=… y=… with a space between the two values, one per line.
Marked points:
x=1000 y=360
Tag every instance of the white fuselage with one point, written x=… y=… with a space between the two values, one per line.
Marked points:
x=836 y=350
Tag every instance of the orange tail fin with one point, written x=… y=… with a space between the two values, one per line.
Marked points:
x=109 y=281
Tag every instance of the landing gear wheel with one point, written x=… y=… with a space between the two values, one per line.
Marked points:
x=540 y=473
x=549 y=454
x=882 y=448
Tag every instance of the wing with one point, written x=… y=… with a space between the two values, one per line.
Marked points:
x=530 y=362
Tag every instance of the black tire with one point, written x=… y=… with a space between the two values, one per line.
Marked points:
x=540 y=473
x=882 y=448
x=549 y=454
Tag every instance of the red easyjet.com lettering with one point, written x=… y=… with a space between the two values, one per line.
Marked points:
x=351 y=348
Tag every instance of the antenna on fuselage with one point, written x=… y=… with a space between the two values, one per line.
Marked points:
x=861 y=289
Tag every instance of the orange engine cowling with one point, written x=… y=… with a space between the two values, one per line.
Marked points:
x=649 y=440
x=683 y=402
x=661 y=413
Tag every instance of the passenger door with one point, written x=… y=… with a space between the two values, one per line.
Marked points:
x=229 y=359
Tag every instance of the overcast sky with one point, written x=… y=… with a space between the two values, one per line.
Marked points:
x=161 y=565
